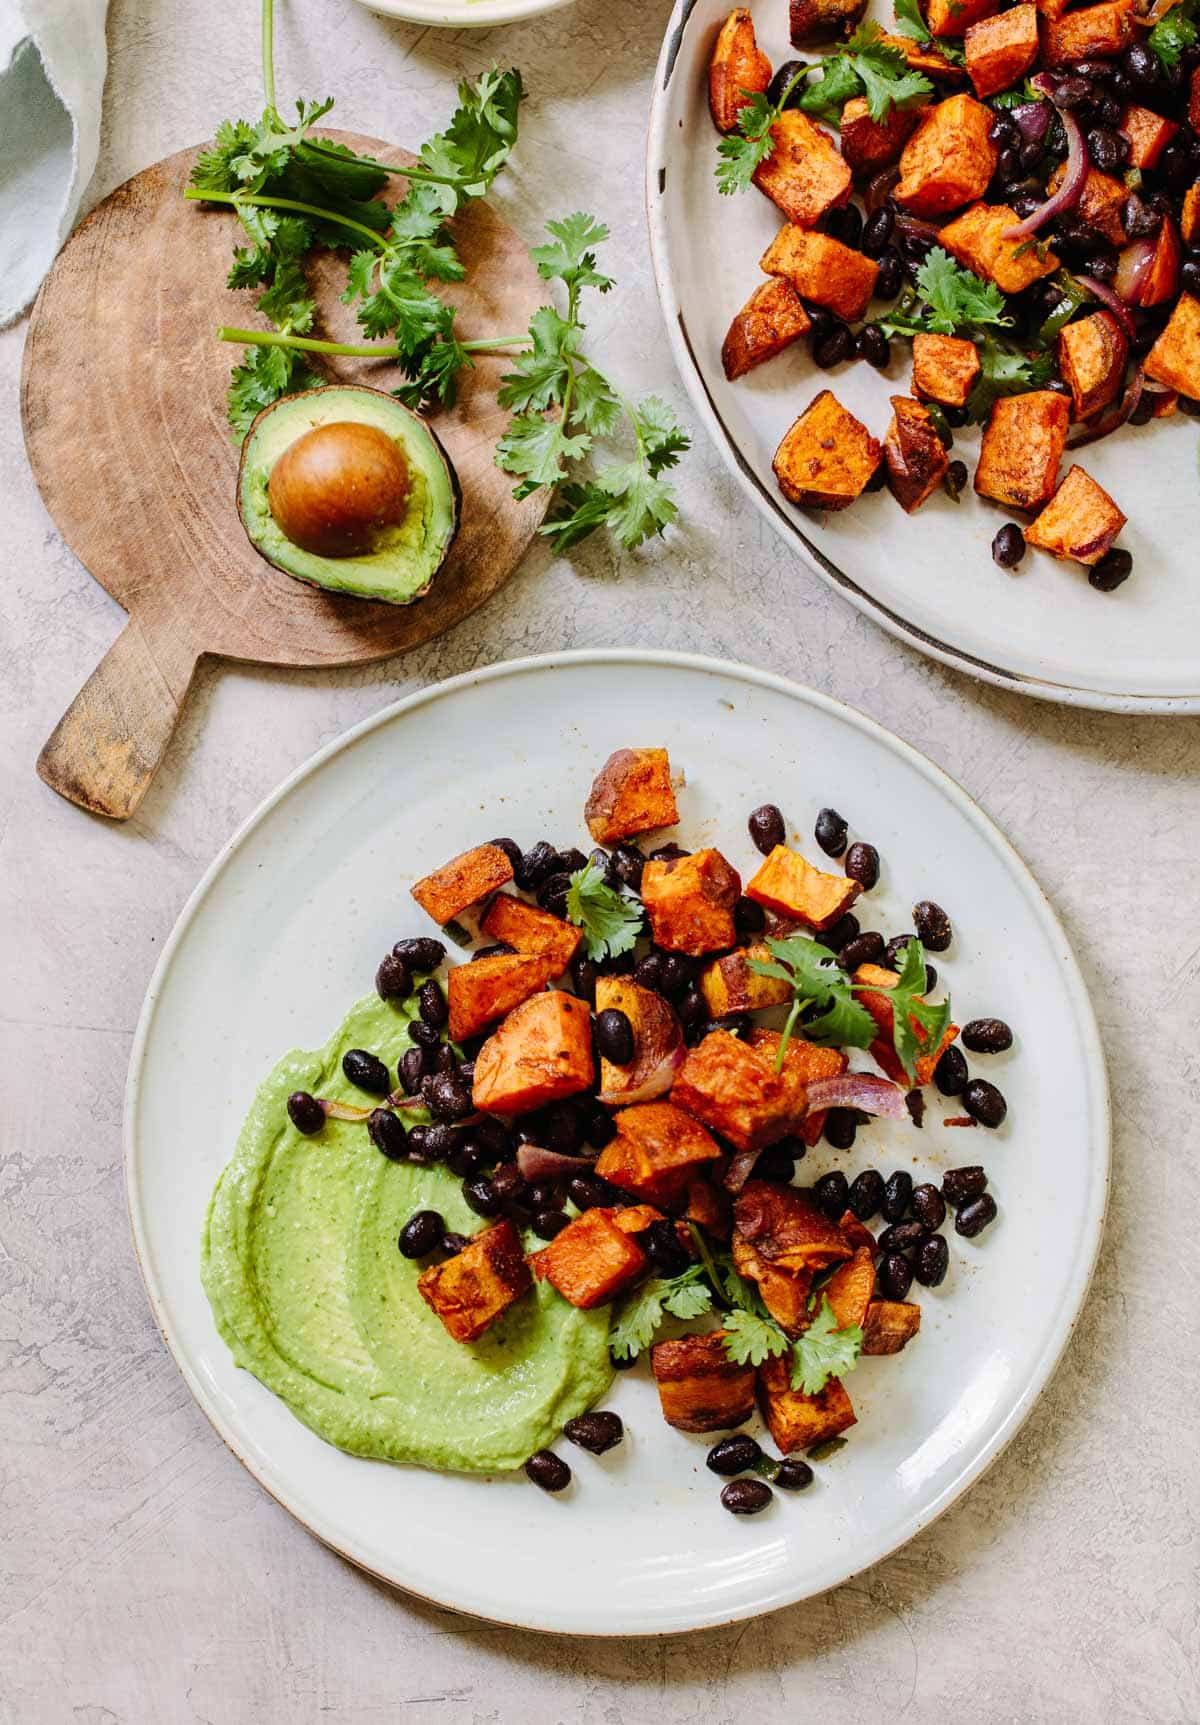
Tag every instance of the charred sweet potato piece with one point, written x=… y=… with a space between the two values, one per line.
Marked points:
x=784 y=1292
x=787 y=1230
x=531 y=930
x=949 y=159
x=636 y=1218
x=1001 y=50
x=811 y=21
x=851 y=1288
x=883 y=1049
x=805 y=175
x=1022 y=446
x=484 y=991
x=1100 y=203
x=732 y=1089
x=656 y=1152
x=1148 y=133
x=926 y=57
x=944 y=369
x=822 y=269
x=1194 y=99
x=794 y=1420
x=689 y=901
x=470 y=1290
x=857 y=1233
x=462 y=882
x=1092 y=33
x=786 y=882
x=954 y=17
x=737 y=65
x=868 y=144
x=591 y=1261
x=699 y=1386
x=976 y=239
x=632 y=793
x=1159 y=282
x=889 y=1325
x=827 y=457
x=808 y=1062
x=540 y=1054
x=771 y=319
x=915 y=454
x=1091 y=356
x=729 y=985
x=1189 y=215
x=1081 y=521
x=709 y=1208
x=656 y=1033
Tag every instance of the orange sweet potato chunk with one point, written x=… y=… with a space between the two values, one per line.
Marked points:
x=784 y=1292
x=656 y=1152
x=700 y=1388
x=944 y=369
x=591 y=1261
x=540 y=1054
x=732 y=1089
x=655 y=1028
x=954 y=17
x=868 y=144
x=805 y=175
x=851 y=1288
x=737 y=65
x=794 y=1420
x=531 y=930
x=1001 y=50
x=1100 y=202
x=462 y=882
x=484 y=991
x=1148 y=133
x=636 y=1218
x=788 y=1230
x=827 y=457
x=729 y=985
x=632 y=793
x=1194 y=99
x=856 y=1232
x=1091 y=33
x=976 y=239
x=883 y=1049
x=811 y=21
x=787 y=883
x=1022 y=446
x=470 y=1290
x=915 y=454
x=708 y=1207
x=1081 y=521
x=889 y=1325
x=822 y=269
x=1175 y=357
x=1189 y=216
x=689 y=901
x=771 y=320
x=949 y=159
x=925 y=57
x=1091 y=358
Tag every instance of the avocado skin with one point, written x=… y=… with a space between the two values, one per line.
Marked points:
x=403 y=570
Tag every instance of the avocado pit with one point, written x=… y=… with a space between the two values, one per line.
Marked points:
x=335 y=490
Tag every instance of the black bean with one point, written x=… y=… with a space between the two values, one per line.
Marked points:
x=820 y=322
x=987 y=1036
x=862 y=865
x=844 y=224
x=552 y=894
x=841 y=934
x=832 y=1192
x=466 y=1071
x=441 y=1140
x=454 y=1243
x=793 y=1474
x=393 y=979
x=840 y=1129
x=866 y=1194
x=894 y=1276
x=424 y=1035
x=877 y=230
x=897 y=1195
x=628 y=863
x=983 y=1102
x=960 y=1185
x=928 y=1206
x=893 y=952
x=423 y=953
x=538 y=862
x=833 y=348
x=572 y=860
x=548 y=1470
x=902 y=1237
x=1075 y=92
x=668 y=853
x=974 y=1217
x=932 y=925
x=890 y=279
x=602 y=860
x=449 y=1099
x=1008 y=166
x=1141 y=65
x=1189 y=274
x=366 y=1071
x=386 y=1132
x=767 y=828
x=931 y=1261
x=1187 y=403
x=509 y=1184
x=1109 y=150
x=416 y=1144
x=583 y=977
x=444 y=1059
x=777 y=1163
x=614 y=1036
x=481 y=1196
x=951 y=1072
x=791 y=69
x=746 y=1496
x=1175 y=167
x=830 y=832
x=431 y=1004
x=465 y=1158
x=305 y=1112
x=548 y=1223
x=872 y=345
x=1024 y=203
x=495 y=950
x=1008 y=547
x=595 y=1432
x=493 y=1136
x=954 y=480
x=736 y=1454
x=563 y=1128
x=1002 y=130
x=421 y=1234
x=749 y=917
x=733 y=1023
x=914 y=1101
x=1113 y=568
x=865 y=948
x=588 y=1192
x=665 y=1249
x=619 y=1364
x=544 y=1195
x=598 y=1127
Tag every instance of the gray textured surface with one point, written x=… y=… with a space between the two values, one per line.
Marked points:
x=143 y=1575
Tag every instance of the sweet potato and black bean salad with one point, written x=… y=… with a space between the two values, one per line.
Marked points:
x=1028 y=218
x=599 y=1075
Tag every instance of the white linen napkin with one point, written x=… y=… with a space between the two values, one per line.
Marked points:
x=52 y=65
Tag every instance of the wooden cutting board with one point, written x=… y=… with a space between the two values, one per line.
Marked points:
x=123 y=404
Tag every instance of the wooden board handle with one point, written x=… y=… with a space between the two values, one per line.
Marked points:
x=107 y=746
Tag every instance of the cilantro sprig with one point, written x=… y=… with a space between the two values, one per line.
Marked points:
x=741 y=151
x=913 y=1013
x=641 y=1313
x=911 y=23
x=1174 y=33
x=610 y=922
x=946 y=300
x=1005 y=370
x=871 y=67
x=820 y=1352
x=816 y=980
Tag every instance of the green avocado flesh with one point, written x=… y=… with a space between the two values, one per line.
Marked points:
x=408 y=555
x=310 y=1292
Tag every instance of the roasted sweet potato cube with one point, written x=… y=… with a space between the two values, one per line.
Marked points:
x=1052 y=8
x=857 y=1233
x=1100 y=202
x=699 y=1386
x=805 y=174
x=531 y=930
x=732 y=1089
x=708 y=1207
x=926 y=57
x=944 y=369
x=656 y=1032
x=868 y=144
x=470 y=1290
x=689 y=901
x=784 y=1292
x=955 y=17
x=827 y=457
x=811 y=21
x=787 y=883
x=822 y=269
x=540 y=1054
x=915 y=454
x=1091 y=357
x=1189 y=215
x=1022 y=446
x=771 y=319
x=949 y=159
x=1193 y=111
x=632 y=793
x=851 y=1288
x=591 y=1261
x=888 y=1325
x=976 y=239
x=1081 y=521
x=729 y=985
x=738 y=65
x=1148 y=133
x=787 y=1230
x=1092 y=33
x=462 y=882
x=808 y=1062
x=636 y=1218
x=1001 y=50
x=794 y=1420
x=656 y=1152
x=883 y=1049
x=484 y=991
x=1160 y=280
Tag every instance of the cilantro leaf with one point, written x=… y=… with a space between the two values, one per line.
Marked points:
x=837 y=84
x=817 y=980
x=1005 y=370
x=571 y=259
x=909 y=21
x=640 y=1314
x=957 y=297
x=540 y=376
x=534 y=449
x=1174 y=34
x=886 y=80
x=742 y=150
x=610 y=922
x=915 y=1039
x=749 y=1339
x=824 y=1351
x=687 y=1299
x=264 y=375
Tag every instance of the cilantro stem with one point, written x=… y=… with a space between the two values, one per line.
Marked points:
x=350 y=350
x=710 y=1268
x=201 y=196
x=268 y=54
x=797 y=1007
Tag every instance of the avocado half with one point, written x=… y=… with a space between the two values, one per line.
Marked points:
x=406 y=556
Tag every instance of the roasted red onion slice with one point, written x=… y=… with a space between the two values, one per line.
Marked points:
x=658 y=1049
x=861 y=1090
x=345 y=1110
x=1110 y=301
x=1134 y=260
x=656 y=1074
x=538 y=1164
x=1114 y=420
x=1069 y=192
x=740 y=1170
x=1032 y=120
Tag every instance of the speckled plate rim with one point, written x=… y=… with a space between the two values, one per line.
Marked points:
x=486 y=1603
x=463 y=14
x=764 y=500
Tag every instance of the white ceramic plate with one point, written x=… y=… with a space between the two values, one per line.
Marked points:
x=928 y=578
x=463 y=14
x=286 y=929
